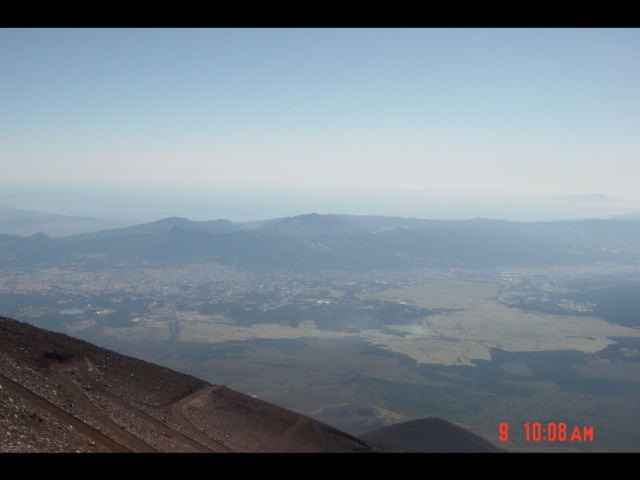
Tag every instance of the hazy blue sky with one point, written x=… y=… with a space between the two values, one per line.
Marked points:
x=330 y=115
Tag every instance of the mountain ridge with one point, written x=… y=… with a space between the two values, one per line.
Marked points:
x=313 y=242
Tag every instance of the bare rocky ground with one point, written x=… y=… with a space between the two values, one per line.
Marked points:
x=60 y=394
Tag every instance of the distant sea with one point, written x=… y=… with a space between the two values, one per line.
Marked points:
x=142 y=203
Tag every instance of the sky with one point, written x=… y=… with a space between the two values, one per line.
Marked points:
x=264 y=122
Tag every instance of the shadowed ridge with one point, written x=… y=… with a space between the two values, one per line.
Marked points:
x=355 y=418
x=430 y=435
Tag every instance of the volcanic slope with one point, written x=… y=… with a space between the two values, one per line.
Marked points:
x=60 y=394
x=430 y=435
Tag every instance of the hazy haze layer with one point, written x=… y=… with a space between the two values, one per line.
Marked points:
x=255 y=123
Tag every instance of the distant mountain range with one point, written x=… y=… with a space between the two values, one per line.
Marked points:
x=313 y=242
x=59 y=394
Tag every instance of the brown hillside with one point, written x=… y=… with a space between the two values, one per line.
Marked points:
x=60 y=394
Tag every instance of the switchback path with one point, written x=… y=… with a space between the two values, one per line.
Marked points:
x=179 y=416
x=82 y=370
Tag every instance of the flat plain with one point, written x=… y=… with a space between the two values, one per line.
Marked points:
x=473 y=347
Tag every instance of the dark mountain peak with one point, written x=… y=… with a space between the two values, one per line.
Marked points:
x=430 y=435
x=171 y=221
x=39 y=236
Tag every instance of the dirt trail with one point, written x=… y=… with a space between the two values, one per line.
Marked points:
x=179 y=416
x=85 y=382
x=98 y=437
x=65 y=374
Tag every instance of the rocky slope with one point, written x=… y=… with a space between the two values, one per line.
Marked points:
x=59 y=394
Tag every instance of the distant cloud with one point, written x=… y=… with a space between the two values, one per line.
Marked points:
x=591 y=197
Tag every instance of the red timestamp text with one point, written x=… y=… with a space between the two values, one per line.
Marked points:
x=552 y=432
